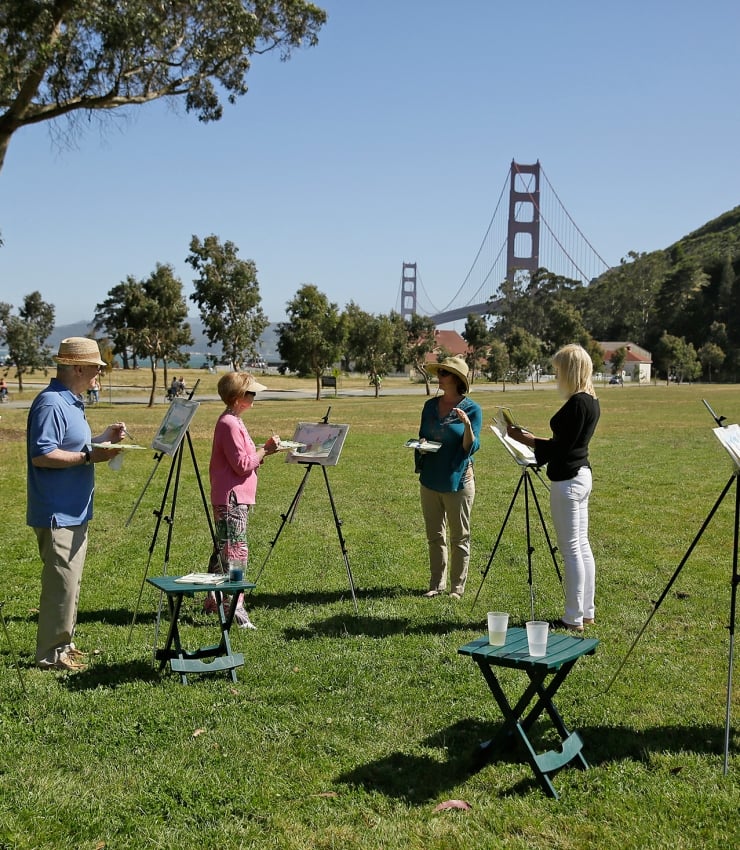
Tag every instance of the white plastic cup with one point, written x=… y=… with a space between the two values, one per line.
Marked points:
x=498 y=622
x=537 y=637
x=116 y=462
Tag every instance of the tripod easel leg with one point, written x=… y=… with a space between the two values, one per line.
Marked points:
x=338 y=525
x=498 y=539
x=526 y=480
x=286 y=517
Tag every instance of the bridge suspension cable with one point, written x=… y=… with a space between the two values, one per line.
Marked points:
x=477 y=256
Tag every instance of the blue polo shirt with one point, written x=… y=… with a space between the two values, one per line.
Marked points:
x=58 y=497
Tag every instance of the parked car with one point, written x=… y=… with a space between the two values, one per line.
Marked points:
x=615 y=379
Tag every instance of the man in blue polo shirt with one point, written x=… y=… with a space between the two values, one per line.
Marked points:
x=60 y=487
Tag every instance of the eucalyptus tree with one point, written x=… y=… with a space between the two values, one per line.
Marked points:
x=372 y=343
x=161 y=329
x=477 y=334
x=313 y=337
x=228 y=296
x=82 y=57
x=420 y=342
x=25 y=335
x=118 y=316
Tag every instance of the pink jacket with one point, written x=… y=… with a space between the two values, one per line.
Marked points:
x=234 y=462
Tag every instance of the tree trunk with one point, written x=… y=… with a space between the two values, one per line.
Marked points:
x=154 y=382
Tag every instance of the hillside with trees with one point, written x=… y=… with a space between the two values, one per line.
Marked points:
x=688 y=292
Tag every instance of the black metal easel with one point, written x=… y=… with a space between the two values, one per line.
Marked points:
x=290 y=513
x=168 y=517
x=525 y=481
x=734 y=581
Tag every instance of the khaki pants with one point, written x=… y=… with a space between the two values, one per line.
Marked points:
x=442 y=511
x=63 y=553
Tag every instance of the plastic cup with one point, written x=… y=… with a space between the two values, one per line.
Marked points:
x=498 y=622
x=116 y=462
x=537 y=637
x=236 y=574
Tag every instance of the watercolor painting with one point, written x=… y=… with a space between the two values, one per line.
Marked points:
x=174 y=426
x=322 y=443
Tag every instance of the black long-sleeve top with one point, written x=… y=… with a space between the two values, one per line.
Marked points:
x=572 y=428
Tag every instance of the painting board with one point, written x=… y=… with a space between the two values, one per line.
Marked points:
x=729 y=436
x=174 y=425
x=322 y=443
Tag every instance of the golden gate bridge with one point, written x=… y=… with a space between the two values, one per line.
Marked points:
x=533 y=231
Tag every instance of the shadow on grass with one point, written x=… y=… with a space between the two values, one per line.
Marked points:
x=377 y=627
x=326 y=597
x=421 y=778
x=112 y=675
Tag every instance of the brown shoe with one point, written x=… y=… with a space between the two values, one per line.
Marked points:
x=589 y=621
x=75 y=654
x=63 y=662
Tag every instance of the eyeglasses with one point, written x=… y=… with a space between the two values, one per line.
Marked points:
x=443 y=373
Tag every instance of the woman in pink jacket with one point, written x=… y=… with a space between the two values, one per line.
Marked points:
x=233 y=474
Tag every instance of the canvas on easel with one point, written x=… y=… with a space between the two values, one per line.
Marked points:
x=522 y=454
x=174 y=426
x=729 y=437
x=321 y=443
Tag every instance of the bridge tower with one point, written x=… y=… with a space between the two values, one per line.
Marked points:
x=523 y=241
x=408 y=290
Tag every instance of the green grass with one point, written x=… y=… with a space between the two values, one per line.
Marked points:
x=344 y=730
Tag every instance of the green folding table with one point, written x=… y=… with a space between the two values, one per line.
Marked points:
x=206 y=659
x=545 y=675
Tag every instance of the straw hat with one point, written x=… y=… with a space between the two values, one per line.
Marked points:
x=79 y=351
x=456 y=365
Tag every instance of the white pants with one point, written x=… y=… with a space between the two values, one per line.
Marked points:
x=569 y=508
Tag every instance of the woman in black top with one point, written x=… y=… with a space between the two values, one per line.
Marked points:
x=566 y=456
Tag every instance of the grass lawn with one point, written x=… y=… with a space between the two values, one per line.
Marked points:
x=347 y=731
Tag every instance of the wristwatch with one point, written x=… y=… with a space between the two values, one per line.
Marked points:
x=88 y=459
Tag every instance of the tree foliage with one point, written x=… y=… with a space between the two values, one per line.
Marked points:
x=147 y=319
x=420 y=341
x=313 y=337
x=373 y=342
x=119 y=316
x=71 y=57
x=228 y=296
x=478 y=337
x=25 y=335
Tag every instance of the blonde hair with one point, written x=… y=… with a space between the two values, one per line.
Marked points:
x=232 y=386
x=575 y=368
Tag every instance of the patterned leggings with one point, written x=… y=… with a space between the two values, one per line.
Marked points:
x=231 y=522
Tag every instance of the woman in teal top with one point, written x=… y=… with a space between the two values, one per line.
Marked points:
x=446 y=479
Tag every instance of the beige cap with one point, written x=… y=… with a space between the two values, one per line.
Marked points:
x=253 y=386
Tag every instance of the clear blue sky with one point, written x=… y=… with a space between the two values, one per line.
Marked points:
x=391 y=141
